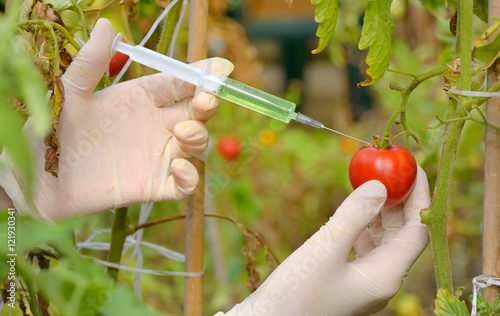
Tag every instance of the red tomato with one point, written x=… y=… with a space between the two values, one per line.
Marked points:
x=395 y=167
x=229 y=147
x=117 y=62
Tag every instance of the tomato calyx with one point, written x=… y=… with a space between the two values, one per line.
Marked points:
x=382 y=143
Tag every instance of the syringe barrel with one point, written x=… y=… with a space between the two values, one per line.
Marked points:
x=256 y=100
x=159 y=62
x=210 y=82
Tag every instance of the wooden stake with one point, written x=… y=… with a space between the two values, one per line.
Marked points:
x=491 y=212
x=198 y=21
x=193 y=292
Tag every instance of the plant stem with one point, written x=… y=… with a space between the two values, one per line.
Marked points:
x=169 y=27
x=436 y=216
x=118 y=235
x=405 y=94
x=465 y=36
x=402 y=72
x=126 y=26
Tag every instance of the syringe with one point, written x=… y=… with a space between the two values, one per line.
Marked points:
x=220 y=86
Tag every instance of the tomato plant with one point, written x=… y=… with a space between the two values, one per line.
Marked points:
x=395 y=167
x=229 y=147
x=117 y=62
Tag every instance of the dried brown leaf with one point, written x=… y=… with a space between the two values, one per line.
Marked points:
x=52 y=140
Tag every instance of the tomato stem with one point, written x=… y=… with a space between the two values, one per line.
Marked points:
x=436 y=217
x=401 y=109
x=378 y=142
x=402 y=72
x=118 y=236
x=398 y=134
x=168 y=29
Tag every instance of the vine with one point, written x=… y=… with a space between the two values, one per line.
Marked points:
x=401 y=109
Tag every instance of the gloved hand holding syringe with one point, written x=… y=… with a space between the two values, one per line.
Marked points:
x=220 y=86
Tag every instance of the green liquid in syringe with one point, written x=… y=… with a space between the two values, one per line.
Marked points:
x=257 y=100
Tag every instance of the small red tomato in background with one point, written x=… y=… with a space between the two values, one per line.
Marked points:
x=229 y=147
x=395 y=167
x=117 y=62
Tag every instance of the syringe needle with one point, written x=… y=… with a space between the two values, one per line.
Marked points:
x=332 y=130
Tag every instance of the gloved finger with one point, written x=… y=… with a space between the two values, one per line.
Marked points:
x=204 y=106
x=393 y=259
x=364 y=244
x=162 y=89
x=418 y=200
x=376 y=229
x=183 y=181
x=91 y=63
x=190 y=139
x=351 y=218
x=201 y=108
x=392 y=222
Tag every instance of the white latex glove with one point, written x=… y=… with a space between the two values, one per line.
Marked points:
x=317 y=279
x=119 y=146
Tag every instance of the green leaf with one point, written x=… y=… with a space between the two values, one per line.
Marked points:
x=496 y=306
x=326 y=14
x=126 y=303
x=481 y=9
x=35 y=232
x=15 y=142
x=59 y=5
x=488 y=52
x=482 y=306
x=378 y=27
x=449 y=305
x=459 y=291
x=71 y=20
x=73 y=285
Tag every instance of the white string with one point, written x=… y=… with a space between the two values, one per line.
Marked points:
x=475 y=93
x=149 y=271
x=479 y=283
x=129 y=243
x=143 y=217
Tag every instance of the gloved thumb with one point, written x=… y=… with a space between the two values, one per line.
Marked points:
x=92 y=60
x=351 y=218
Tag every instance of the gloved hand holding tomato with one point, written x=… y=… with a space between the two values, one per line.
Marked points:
x=317 y=279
